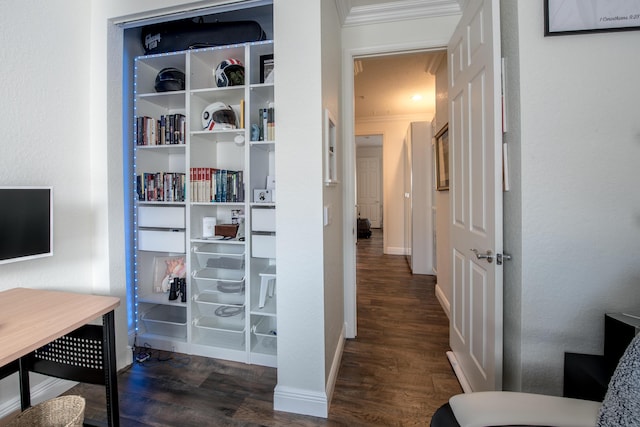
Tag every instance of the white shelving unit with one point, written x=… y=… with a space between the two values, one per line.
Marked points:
x=223 y=314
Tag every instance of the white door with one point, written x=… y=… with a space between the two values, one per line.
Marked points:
x=368 y=178
x=476 y=195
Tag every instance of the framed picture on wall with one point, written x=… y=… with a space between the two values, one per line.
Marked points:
x=442 y=159
x=563 y=17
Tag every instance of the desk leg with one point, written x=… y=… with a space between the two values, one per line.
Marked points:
x=25 y=388
x=111 y=379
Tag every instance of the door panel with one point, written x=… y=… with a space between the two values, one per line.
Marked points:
x=476 y=195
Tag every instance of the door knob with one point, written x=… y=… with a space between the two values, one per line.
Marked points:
x=488 y=255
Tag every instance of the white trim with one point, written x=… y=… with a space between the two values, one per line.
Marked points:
x=349 y=164
x=343 y=7
x=395 y=118
x=47 y=389
x=189 y=10
x=398 y=11
x=298 y=401
x=335 y=365
x=350 y=237
x=395 y=251
x=462 y=379
x=444 y=302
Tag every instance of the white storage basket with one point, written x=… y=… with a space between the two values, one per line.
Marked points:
x=266 y=333
x=220 y=331
x=220 y=280
x=166 y=320
x=220 y=256
x=209 y=302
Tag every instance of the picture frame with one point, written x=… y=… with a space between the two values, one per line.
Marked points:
x=563 y=17
x=266 y=68
x=442 y=158
x=330 y=149
x=166 y=267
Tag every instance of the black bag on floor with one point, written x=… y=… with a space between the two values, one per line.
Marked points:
x=364 y=228
x=193 y=34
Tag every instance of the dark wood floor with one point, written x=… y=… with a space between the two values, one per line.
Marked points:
x=395 y=373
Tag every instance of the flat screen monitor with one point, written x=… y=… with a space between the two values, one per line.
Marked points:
x=26 y=223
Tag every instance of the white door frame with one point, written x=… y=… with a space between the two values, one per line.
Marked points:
x=349 y=196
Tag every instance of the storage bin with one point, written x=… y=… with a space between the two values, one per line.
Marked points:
x=220 y=331
x=166 y=320
x=63 y=411
x=230 y=282
x=161 y=241
x=209 y=302
x=161 y=217
x=266 y=333
x=263 y=220
x=220 y=256
x=263 y=246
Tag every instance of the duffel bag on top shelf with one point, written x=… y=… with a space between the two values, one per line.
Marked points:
x=195 y=33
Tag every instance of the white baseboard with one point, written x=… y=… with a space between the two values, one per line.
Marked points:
x=335 y=365
x=444 y=302
x=390 y=250
x=300 y=401
x=305 y=402
x=462 y=379
x=45 y=390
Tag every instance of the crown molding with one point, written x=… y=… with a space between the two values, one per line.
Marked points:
x=394 y=11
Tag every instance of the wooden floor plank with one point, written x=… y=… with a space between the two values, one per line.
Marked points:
x=394 y=373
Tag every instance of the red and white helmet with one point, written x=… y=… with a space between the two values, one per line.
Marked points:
x=229 y=72
x=218 y=116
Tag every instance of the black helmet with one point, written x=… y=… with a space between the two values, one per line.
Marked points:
x=169 y=79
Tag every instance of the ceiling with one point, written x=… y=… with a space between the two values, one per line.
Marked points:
x=385 y=85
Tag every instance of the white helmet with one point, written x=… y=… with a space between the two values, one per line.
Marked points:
x=218 y=116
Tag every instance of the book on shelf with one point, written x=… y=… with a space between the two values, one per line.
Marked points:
x=160 y=187
x=267 y=124
x=215 y=185
x=168 y=129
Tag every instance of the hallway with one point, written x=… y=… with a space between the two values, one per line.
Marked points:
x=395 y=373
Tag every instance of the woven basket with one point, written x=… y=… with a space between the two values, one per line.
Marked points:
x=65 y=411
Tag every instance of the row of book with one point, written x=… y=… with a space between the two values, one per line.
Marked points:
x=161 y=187
x=216 y=185
x=169 y=129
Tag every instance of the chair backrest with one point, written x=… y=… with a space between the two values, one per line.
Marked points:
x=621 y=405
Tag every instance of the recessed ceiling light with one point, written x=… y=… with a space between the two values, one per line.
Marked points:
x=416 y=97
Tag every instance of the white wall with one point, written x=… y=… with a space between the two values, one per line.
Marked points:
x=580 y=150
x=444 y=288
x=302 y=298
x=45 y=95
x=333 y=201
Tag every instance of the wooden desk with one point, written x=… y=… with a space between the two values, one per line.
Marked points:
x=32 y=318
